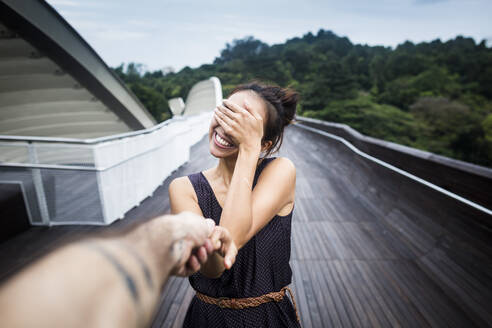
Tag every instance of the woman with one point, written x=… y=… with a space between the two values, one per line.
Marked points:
x=251 y=199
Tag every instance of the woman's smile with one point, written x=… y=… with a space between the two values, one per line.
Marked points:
x=222 y=142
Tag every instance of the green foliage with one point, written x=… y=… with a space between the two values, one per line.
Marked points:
x=154 y=100
x=435 y=81
x=368 y=117
x=452 y=129
x=487 y=127
x=436 y=96
x=241 y=49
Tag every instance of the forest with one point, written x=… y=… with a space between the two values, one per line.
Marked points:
x=435 y=96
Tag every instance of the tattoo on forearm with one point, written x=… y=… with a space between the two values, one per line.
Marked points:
x=177 y=248
x=143 y=265
x=129 y=281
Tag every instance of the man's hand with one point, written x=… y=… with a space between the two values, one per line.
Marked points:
x=190 y=245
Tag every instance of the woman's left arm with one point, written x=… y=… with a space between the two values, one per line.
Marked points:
x=274 y=190
x=246 y=212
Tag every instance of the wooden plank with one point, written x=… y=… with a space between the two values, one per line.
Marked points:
x=402 y=305
x=310 y=292
x=475 y=301
x=324 y=244
x=298 y=243
x=302 y=304
x=167 y=298
x=177 y=304
x=356 y=293
x=333 y=289
x=379 y=241
x=436 y=309
x=323 y=296
x=380 y=305
x=353 y=309
x=340 y=250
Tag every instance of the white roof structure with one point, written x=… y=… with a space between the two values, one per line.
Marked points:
x=52 y=83
x=203 y=96
x=176 y=105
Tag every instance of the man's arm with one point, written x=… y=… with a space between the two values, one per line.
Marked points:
x=105 y=282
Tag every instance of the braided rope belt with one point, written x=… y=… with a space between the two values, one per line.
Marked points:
x=247 y=302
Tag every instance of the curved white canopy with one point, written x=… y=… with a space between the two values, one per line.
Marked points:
x=52 y=83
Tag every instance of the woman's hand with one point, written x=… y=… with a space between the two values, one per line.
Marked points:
x=243 y=125
x=197 y=258
x=224 y=245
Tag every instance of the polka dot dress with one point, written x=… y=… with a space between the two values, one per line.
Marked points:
x=262 y=266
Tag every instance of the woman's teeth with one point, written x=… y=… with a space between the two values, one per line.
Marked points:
x=222 y=141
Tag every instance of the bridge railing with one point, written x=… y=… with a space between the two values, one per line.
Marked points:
x=96 y=181
x=470 y=181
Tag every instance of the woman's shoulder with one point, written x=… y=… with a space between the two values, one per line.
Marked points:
x=182 y=196
x=186 y=180
x=187 y=183
x=278 y=168
x=281 y=163
x=181 y=185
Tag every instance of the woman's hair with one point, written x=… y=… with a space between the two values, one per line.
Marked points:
x=281 y=106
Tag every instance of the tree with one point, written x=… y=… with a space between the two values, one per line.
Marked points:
x=433 y=95
x=241 y=49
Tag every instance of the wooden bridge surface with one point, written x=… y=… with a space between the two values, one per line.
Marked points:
x=356 y=262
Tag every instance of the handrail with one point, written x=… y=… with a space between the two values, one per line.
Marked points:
x=93 y=143
x=399 y=171
x=455 y=163
x=90 y=141
x=471 y=181
x=119 y=171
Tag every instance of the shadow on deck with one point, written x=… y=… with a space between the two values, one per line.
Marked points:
x=369 y=247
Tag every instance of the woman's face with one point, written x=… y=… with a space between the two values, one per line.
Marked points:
x=220 y=143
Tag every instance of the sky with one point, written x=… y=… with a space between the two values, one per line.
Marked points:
x=178 y=33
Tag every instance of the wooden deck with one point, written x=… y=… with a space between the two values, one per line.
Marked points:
x=368 y=248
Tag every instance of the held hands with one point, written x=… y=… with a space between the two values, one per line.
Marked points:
x=243 y=125
x=190 y=242
x=194 y=239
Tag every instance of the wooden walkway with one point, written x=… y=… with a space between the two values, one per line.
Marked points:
x=368 y=250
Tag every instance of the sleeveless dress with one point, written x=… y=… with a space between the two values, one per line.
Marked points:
x=262 y=266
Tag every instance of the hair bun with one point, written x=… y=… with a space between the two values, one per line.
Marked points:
x=289 y=99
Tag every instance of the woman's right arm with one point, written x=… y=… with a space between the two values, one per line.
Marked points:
x=183 y=198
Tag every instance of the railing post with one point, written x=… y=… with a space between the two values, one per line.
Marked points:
x=38 y=185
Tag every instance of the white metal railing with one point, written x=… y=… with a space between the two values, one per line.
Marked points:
x=96 y=181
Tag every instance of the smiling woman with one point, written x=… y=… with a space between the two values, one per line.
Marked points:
x=251 y=199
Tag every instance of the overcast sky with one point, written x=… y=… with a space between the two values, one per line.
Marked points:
x=178 y=33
